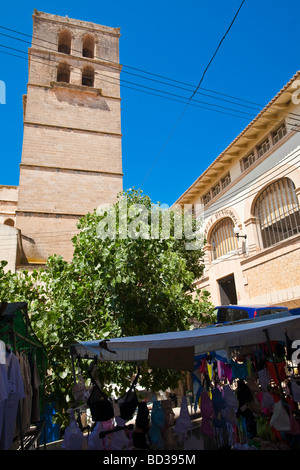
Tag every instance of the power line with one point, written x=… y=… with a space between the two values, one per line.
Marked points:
x=228 y=113
x=136 y=84
x=231 y=197
x=171 y=96
x=206 y=107
x=127 y=66
x=216 y=51
x=195 y=91
x=174 y=96
x=147 y=89
x=215 y=206
x=262 y=183
x=149 y=73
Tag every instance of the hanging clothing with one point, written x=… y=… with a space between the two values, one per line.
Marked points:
x=3 y=374
x=15 y=392
x=295 y=391
x=158 y=423
x=3 y=389
x=207 y=412
x=230 y=398
x=183 y=423
x=26 y=404
x=73 y=437
x=239 y=369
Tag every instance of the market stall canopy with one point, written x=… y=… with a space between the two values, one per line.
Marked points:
x=177 y=349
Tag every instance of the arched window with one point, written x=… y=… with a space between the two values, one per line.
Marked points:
x=88 y=76
x=222 y=238
x=63 y=72
x=64 y=42
x=88 y=46
x=9 y=222
x=277 y=212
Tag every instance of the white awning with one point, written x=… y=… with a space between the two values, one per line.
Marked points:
x=199 y=341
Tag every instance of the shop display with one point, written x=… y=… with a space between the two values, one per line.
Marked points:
x=22 y=364
x=244 y=397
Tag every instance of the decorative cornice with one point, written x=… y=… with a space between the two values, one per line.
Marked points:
x=49 y=213
x=65 y=169
x=233 y=150
x=72 y=86
x=75 y=129
x=274 y=250
x=71 y=57
x=71 y=22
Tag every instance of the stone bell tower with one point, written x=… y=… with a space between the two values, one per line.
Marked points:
x=72 y=153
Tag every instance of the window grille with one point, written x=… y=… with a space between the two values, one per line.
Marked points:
x=279 y=134
x=223 y=239
x=226 y=181
x=248 y=161
x=206 y=198
x=216 y=190
x=263 y=148
x=277 y=212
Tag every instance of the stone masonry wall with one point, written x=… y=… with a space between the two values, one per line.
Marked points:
x=72 y=144
x=276 y=280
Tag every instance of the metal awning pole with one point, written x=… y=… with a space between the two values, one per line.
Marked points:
x=73 y=364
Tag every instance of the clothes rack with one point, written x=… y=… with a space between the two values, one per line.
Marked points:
x=15 y=330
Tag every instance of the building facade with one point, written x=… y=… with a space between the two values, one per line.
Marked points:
x=250 y=194
x=8 y=205
x=72 y=143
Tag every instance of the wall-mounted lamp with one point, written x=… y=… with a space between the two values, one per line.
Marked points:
x=237 y=233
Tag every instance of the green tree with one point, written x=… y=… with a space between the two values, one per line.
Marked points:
x=113 y=287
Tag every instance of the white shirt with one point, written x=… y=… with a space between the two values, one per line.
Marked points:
x=9 y=407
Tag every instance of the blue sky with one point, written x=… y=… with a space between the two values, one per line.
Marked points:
x=163 y=150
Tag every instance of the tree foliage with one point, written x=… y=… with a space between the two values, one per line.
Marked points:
x=113 y=287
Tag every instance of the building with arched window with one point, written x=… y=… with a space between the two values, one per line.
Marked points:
x=277 y=212
x=63 y=72
x=88 y=46
x=72 y=142
x=250 y=197
x=223 y=238
x=88 y=76
x=64 y=41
